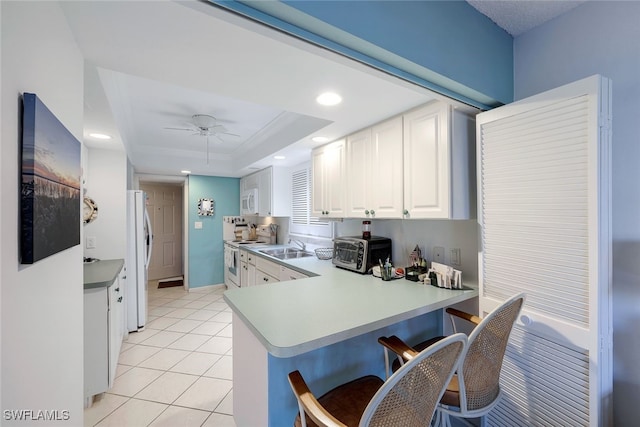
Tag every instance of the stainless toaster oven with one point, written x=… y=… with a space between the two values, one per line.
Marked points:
x=357 y=254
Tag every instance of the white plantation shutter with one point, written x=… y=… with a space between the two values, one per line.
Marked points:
x=543 y=177
x=301 y=220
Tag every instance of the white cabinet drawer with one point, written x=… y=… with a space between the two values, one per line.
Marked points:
x=270 y=268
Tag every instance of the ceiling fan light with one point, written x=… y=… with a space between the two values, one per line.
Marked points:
x=203 y=121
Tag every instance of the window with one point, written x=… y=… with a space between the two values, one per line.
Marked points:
x=301 y=220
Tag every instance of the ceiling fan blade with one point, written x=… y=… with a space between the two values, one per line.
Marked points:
x=219 y=139
x=189 y=129
x=227 y=133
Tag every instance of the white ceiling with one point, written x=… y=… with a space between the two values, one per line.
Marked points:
x=153 y=64
x=519 y=16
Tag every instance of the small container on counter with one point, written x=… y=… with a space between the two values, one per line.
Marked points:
x=366 y=230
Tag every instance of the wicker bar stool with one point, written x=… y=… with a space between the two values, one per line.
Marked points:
x=408 y=398
x=475 y=388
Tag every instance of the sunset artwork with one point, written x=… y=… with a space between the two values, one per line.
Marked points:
x=50 y=193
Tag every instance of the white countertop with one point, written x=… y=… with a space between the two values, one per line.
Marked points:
x=297 y=316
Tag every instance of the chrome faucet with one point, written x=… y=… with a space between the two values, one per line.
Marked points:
x=298 y=243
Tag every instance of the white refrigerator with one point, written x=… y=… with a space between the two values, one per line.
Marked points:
x=139 y=245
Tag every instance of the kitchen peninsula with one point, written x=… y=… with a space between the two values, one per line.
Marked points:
x=327 y=327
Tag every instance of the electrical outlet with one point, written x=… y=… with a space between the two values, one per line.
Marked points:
x=454 y=255
x=91 y=242
x=437 y=254
x=197 y=225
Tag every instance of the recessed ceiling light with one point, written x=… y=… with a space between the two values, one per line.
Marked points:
x=320 y=139
x=99 y=136
x=329 y=98
x=185 y=172
x=279 y=157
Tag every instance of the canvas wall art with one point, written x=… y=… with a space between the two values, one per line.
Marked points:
x=50 y=193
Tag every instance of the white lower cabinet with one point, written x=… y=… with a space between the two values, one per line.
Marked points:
x=103 y=334
x=247 y=268
x=289 y=274
x=266 y=271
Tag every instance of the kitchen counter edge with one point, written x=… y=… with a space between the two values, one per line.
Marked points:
x=102 y=273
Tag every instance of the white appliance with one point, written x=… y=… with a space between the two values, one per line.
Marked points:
x=139 y=244
x=231 y=266
x=249 y=202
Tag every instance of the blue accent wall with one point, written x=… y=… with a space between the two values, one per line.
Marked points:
x=456 y=50
x=206 y=248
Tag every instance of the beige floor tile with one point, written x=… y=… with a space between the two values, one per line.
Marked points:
x=217 y=345
x=176 y=416
x=222 y=316
x=121 y=369
x=202 y=315
x=160 y=311
x=184 y=325
x=223 y=368
x=209 y=328
x=162 y=323
x=137 y=354
x=205 y=394
x=196 y=363
x=226 y=406
x=217 y=306
x=210 y=297
x=134 y=380
x=162 y=338
x=164 y=359
x=167 y=387
x=138 y=337
x=179 y=303
x=189 y=342
x=197 y=304
x=226 y=332
x=133 y=413
x=103 y=405
x=126 y=346
x=180 y=313
x=219 y=420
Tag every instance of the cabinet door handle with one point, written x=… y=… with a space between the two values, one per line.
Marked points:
x=124 y=277
x=406 y=212
x=366 y=211
x=120 y=299
x=373 y=212
x=266 y=279
x=117 y=289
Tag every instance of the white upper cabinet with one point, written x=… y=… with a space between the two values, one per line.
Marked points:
x=328 y=180
x=374 y=165
x=438 y=163
x=270 y=202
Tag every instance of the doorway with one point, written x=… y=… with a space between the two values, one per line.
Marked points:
x=164 y=204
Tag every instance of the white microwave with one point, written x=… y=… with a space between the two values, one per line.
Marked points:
x=249 y=202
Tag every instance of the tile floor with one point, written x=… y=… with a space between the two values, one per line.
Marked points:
x=177 y=371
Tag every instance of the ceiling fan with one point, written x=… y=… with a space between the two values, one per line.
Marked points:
x=205 y=125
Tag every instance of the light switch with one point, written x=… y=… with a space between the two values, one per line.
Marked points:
x=91 y=242
x=198 y=225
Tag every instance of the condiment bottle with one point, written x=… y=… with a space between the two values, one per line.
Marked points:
x=366 y=229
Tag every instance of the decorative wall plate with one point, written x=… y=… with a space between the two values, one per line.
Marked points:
x=89 y=210
x=205 y=207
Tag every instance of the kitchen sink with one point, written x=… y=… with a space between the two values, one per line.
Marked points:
x=287 y=253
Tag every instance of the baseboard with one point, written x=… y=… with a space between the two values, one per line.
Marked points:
x=208 y=287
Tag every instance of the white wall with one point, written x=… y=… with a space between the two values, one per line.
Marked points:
x=602 y=38
x=42 y=307
x=107 y=186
